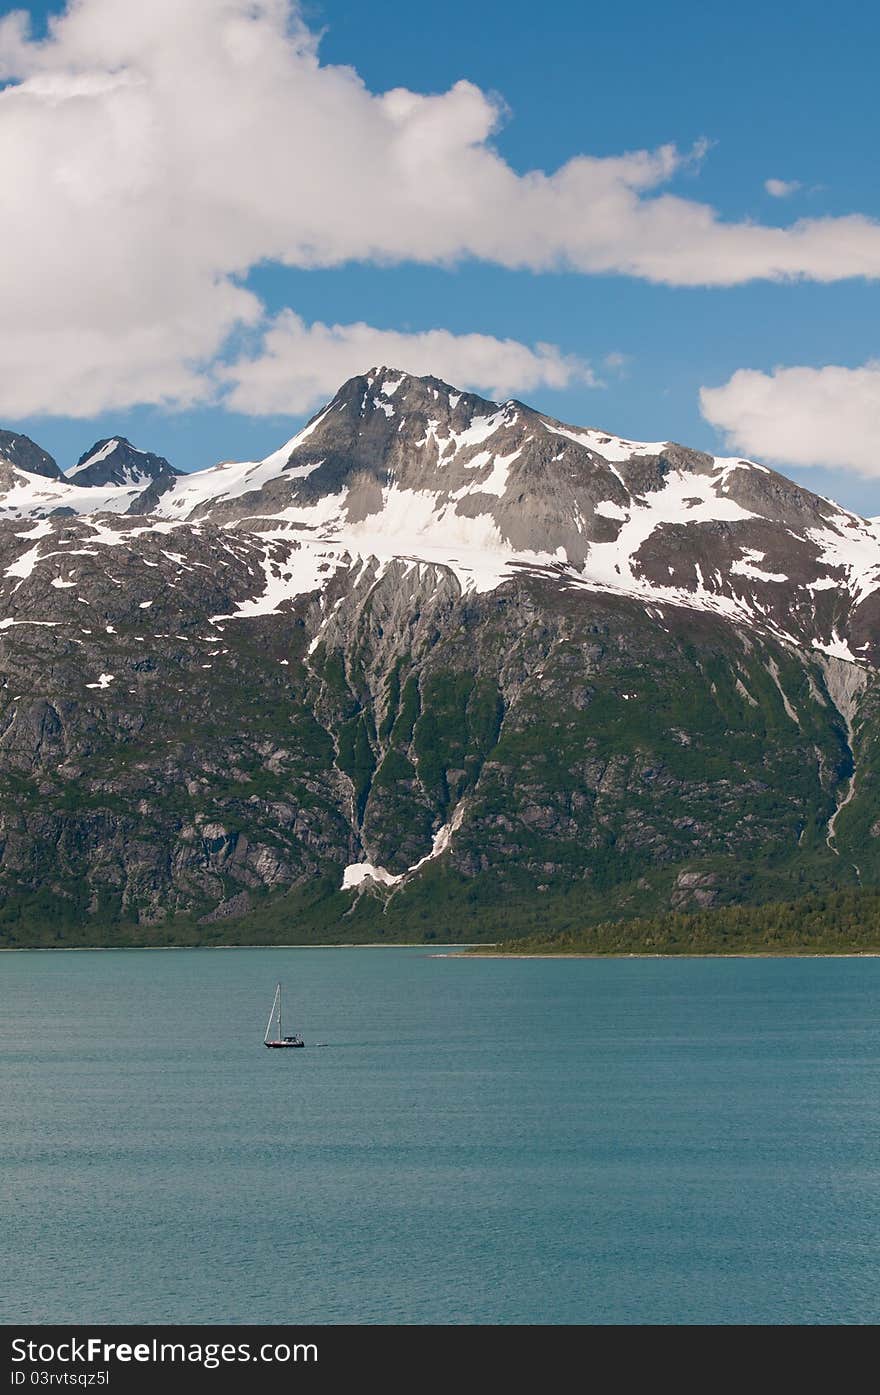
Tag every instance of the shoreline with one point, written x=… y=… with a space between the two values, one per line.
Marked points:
x=451 y=951
x=734 y=954
x=115 y=949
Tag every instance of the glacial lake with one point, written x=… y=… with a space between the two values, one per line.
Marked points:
x=493 y=1141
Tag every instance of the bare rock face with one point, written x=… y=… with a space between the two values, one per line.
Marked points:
x=435 y=652
x=695 y=890
x=25 y=454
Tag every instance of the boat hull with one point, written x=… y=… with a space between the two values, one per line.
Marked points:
x=283 y=1045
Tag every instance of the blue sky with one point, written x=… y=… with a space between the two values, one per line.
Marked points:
x=777 y=92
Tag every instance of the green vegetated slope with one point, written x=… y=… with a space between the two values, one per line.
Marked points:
x=841 y=922
x=597 y=761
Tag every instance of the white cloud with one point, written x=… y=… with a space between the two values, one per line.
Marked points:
x=802 y=416
x=300 y=365
x=781 y=188
x=152 y=154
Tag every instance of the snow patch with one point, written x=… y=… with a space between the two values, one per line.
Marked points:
x=608 y=509
x=611 y=448
x=296 y=571
x=94 y=458
x=359 y=872
x=836 y=648
x=747 y=566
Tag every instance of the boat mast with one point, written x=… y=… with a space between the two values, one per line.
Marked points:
x=272 y=1012
x=279 y=1013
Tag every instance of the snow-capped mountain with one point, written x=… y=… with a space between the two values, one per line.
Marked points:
x=113 y=477
x=396 y=466
x=117 y=462
x=432 y=640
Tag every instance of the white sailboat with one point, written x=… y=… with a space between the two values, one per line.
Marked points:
x=279 y=1040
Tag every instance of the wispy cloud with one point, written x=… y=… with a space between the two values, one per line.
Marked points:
x=616 y=362
x=151 y=155
x=299 y=365
x=781 y=188
x=802 y=416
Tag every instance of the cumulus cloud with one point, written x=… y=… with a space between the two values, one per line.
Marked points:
x=151 y=155
x=802 y=416
x=781 y=188
x=299 y=365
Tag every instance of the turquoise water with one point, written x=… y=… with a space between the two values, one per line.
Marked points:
x=495 y=1141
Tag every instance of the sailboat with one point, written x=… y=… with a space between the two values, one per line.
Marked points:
x=279 y=1040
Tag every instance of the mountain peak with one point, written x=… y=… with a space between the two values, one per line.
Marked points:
x=391 y=390
x=115 y=461
x=24 y=454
